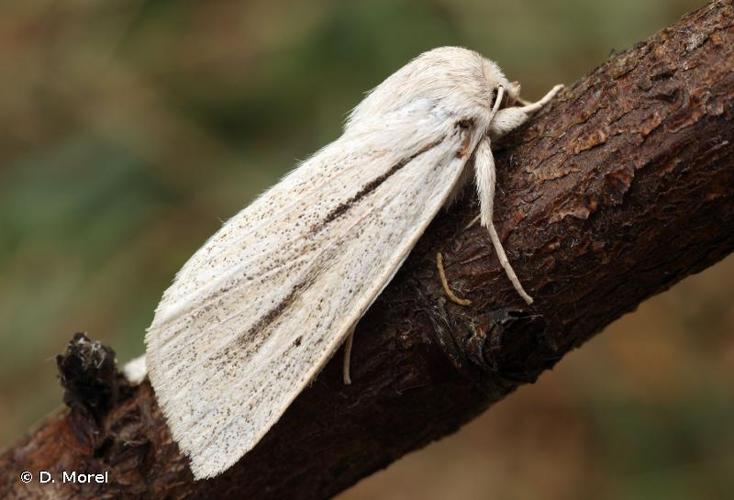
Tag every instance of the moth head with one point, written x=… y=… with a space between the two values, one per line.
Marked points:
x=496 y=78
x=448 y=83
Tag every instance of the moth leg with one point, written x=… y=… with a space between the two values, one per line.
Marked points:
x=535 y=106
x=486 y=179
x=493 y=116
x=445 y=283
x=473 y=221
x=508 y=119
x=346 y=376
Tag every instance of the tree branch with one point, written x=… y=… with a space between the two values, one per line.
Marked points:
x=619 y=190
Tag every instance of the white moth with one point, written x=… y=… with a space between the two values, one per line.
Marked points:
x=257 y=311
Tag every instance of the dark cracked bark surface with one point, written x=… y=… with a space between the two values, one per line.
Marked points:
x=621 y=188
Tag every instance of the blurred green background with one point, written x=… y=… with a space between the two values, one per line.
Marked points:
x=132 y=128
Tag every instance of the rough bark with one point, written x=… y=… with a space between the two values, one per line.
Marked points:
x=623 y=187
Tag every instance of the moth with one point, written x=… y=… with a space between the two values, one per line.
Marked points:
x=257 y=311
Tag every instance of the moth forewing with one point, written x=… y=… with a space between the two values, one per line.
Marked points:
x=242 y=334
